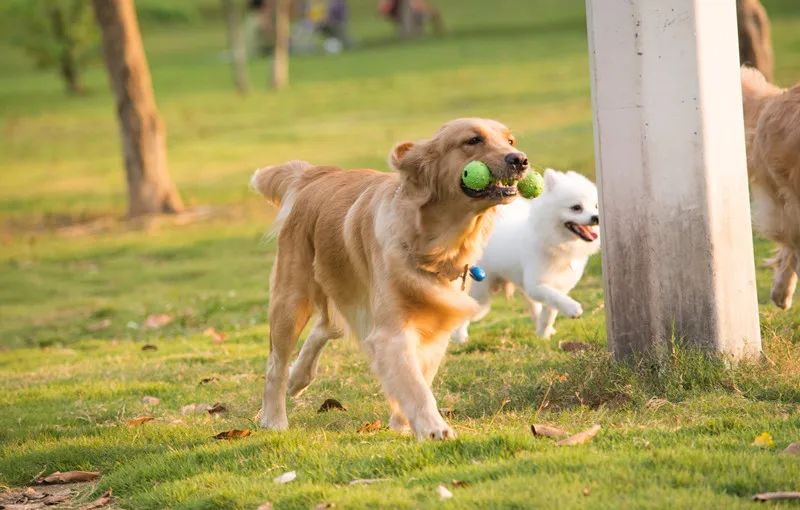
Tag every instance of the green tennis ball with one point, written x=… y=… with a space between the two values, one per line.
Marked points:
x=476 y=175
x=532 y=185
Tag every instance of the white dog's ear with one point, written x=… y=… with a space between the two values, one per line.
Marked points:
x=551 y=177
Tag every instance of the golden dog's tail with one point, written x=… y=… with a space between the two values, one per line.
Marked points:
x=755 y=85
x=277 y=181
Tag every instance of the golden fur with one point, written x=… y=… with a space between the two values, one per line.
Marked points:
x=384 y=253
x=772 y=132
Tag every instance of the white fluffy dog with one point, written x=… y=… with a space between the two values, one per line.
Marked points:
x=541 y=246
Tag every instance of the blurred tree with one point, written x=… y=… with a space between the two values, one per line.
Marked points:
x=150 y=188
x=755 y=43
x=280 y=59
x=55 y=33
x=236 y=46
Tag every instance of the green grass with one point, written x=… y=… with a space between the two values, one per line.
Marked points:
x=66 y=391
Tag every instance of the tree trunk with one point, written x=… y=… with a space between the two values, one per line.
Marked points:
x=755 y=44
x=236 y=45
x=67 y=62
x=280 y=60
x=150 y=188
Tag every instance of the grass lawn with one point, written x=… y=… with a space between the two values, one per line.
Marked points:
x=73 y=301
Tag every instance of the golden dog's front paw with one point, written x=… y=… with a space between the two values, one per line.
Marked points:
x=435 y=429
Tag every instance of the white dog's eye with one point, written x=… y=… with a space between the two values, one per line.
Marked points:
x=577 y=208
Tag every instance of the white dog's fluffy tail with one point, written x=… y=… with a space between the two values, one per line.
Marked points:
x=278 y=183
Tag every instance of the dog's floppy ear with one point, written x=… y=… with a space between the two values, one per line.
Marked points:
x=551 y=178
x=407 y=156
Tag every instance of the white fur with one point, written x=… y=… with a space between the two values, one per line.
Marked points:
x=532 y=249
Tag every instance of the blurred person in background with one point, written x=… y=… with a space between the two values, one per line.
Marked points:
x=410 y=16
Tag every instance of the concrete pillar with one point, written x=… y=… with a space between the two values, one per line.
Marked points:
x=669 y=145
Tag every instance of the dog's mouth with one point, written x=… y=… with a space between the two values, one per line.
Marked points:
x=585 y=232
x=500 y=189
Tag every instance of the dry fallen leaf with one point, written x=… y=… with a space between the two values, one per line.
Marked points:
x=233 y=434
x=149 y=347
x=764 y=440
x=100 y=502
x=656 y=403
x=573 y=346
x=194 y=408
x=443 y=492
x=446 y=412
x=99 y=325
x=217 y=408
x=150 y=401
x=581 y=437
x=325 y=506
x=216 y=336
x=539 y=429
x=207 y=380
x=68 y=477
x=267 y=505
x=370 y=427
x=792 y=449
x=459 y=483
x=157 y=320
x=329 y=404
x=771 y=496
x=586 y=491
x=133 y=422
x=367 y=481
x=287 y=477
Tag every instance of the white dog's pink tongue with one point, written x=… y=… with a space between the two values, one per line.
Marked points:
x=588 y=231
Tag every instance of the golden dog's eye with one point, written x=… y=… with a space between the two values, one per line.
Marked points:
x=510 y=141
x=475 y=140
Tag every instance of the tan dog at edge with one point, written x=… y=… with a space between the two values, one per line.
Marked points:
x=772 y=132
x=382 y=254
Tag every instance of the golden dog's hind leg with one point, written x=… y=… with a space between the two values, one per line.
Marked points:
x=785 y=281
x=289 y=311
x=304 y=369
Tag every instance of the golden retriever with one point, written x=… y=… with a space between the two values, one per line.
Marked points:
x=772 y=132
x=382 y=254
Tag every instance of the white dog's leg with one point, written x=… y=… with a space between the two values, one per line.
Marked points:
x=544 y=326
x=785 y=280
x=551 y=297
x=482 y=293
x=461 y=334
x=304 y=369
x=536 y=309
x=395 y=362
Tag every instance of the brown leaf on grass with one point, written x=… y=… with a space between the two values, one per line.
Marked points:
x=157 y=320
x=458 y=483
x=325 y=506
x=329 y=404
x=68 y=477
x=586 y=491
x=539 y=429
x=135 y=422
x=370 y=427
x=216 y=336
x=149 y=347
x=233 y=434
x=100 y=502
x=792 y=449
x=446 y=412
x=217 y=408
x=581 y=437
x=656 y=403
x=98 y=325
x=150 y=401
x=207 y=380
x=267 y=505
x=771 y=496
x=573 y=346
x=194 y=408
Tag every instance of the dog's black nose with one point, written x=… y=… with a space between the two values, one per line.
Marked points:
x=595 y=219
x=516 y=159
